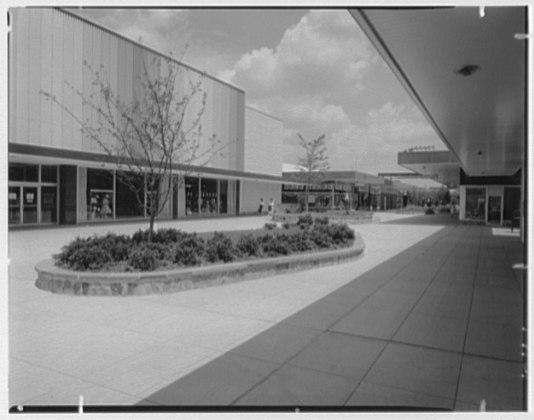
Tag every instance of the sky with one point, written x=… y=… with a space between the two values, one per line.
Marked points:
x=313 y=69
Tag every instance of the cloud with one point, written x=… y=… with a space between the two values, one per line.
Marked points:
x=373 y=146
x=324 y=54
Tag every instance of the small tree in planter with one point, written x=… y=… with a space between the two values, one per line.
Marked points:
x=148 y=137
x=313 y=163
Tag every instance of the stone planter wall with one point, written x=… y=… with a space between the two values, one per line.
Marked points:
x=58 y=280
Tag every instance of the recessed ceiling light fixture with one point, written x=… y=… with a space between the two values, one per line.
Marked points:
x=467 y=70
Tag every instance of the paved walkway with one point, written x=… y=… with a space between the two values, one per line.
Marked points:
x=430 y=316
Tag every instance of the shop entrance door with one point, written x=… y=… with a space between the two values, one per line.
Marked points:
x=23 y=204
x=29 y=204
x=15 y=206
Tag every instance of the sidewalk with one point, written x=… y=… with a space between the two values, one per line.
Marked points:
x=443 y=301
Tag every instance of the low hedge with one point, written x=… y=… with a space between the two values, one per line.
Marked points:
x=174 y=248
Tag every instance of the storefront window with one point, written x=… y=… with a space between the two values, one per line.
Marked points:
x=475 y=204
x=23 y=172
x=191 y=195
x=130 y=196
x=208 y=195
x=100 y=194
x=49 y=174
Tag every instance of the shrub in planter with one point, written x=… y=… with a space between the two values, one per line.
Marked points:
x=219 y=248
x=321 y=221
x=248 y=245
x=167 y=236
x=162 y=236
x=83 y=254
x=321 y=237
x=275 y=245
x=341 y=234
x=118 y=246
x=286 y=225
x=188 y=252
x=145 y=257
x=305 y=221
x=270 y=226
x=301 y=242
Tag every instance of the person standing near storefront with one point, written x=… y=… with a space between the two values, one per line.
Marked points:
x=260 y=208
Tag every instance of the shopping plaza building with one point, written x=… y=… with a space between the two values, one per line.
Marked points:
x=57 y=175
x=464 y=69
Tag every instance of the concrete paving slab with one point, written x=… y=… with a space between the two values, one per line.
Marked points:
x=417 y=369
x=340 y=354
x=370 y=394
x=296 y=386
x=497 y=382
x=158 y=365
x=436 y=331
x=220 y=382
x=93 y=395
x=458 y=308
x=321 y=316
x=495 y=312
x=278 y=344
x=501 y=341
x=372 y=322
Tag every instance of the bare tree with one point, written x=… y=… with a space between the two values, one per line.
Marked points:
x=314 y=162
x=160 y=129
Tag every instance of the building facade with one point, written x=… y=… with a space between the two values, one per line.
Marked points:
x=348 y=190
x=59 y=175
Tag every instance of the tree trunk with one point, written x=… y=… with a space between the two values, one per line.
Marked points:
x=306 y=199
x=151 y=227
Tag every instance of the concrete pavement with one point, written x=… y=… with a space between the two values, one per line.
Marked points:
x=430 y=316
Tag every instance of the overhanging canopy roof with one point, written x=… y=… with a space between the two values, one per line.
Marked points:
x=465 y=72
x=440 y=165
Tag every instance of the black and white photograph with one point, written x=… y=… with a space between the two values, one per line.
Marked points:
x=314 y=210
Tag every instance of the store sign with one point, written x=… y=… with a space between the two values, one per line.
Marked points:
x=12 y=196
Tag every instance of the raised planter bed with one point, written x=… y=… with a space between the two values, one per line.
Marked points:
x=58 y=280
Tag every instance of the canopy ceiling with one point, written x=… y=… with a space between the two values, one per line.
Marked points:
x=465 y=72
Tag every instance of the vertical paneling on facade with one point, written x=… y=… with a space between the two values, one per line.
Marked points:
x=76 y=141
x=49 y=48
x=46 y=77
x=58 y=78
x=240 y=121
x=263 y=135
x=30 y=70
x=67 y=93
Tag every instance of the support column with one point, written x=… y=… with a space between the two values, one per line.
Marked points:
x=67 y=194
